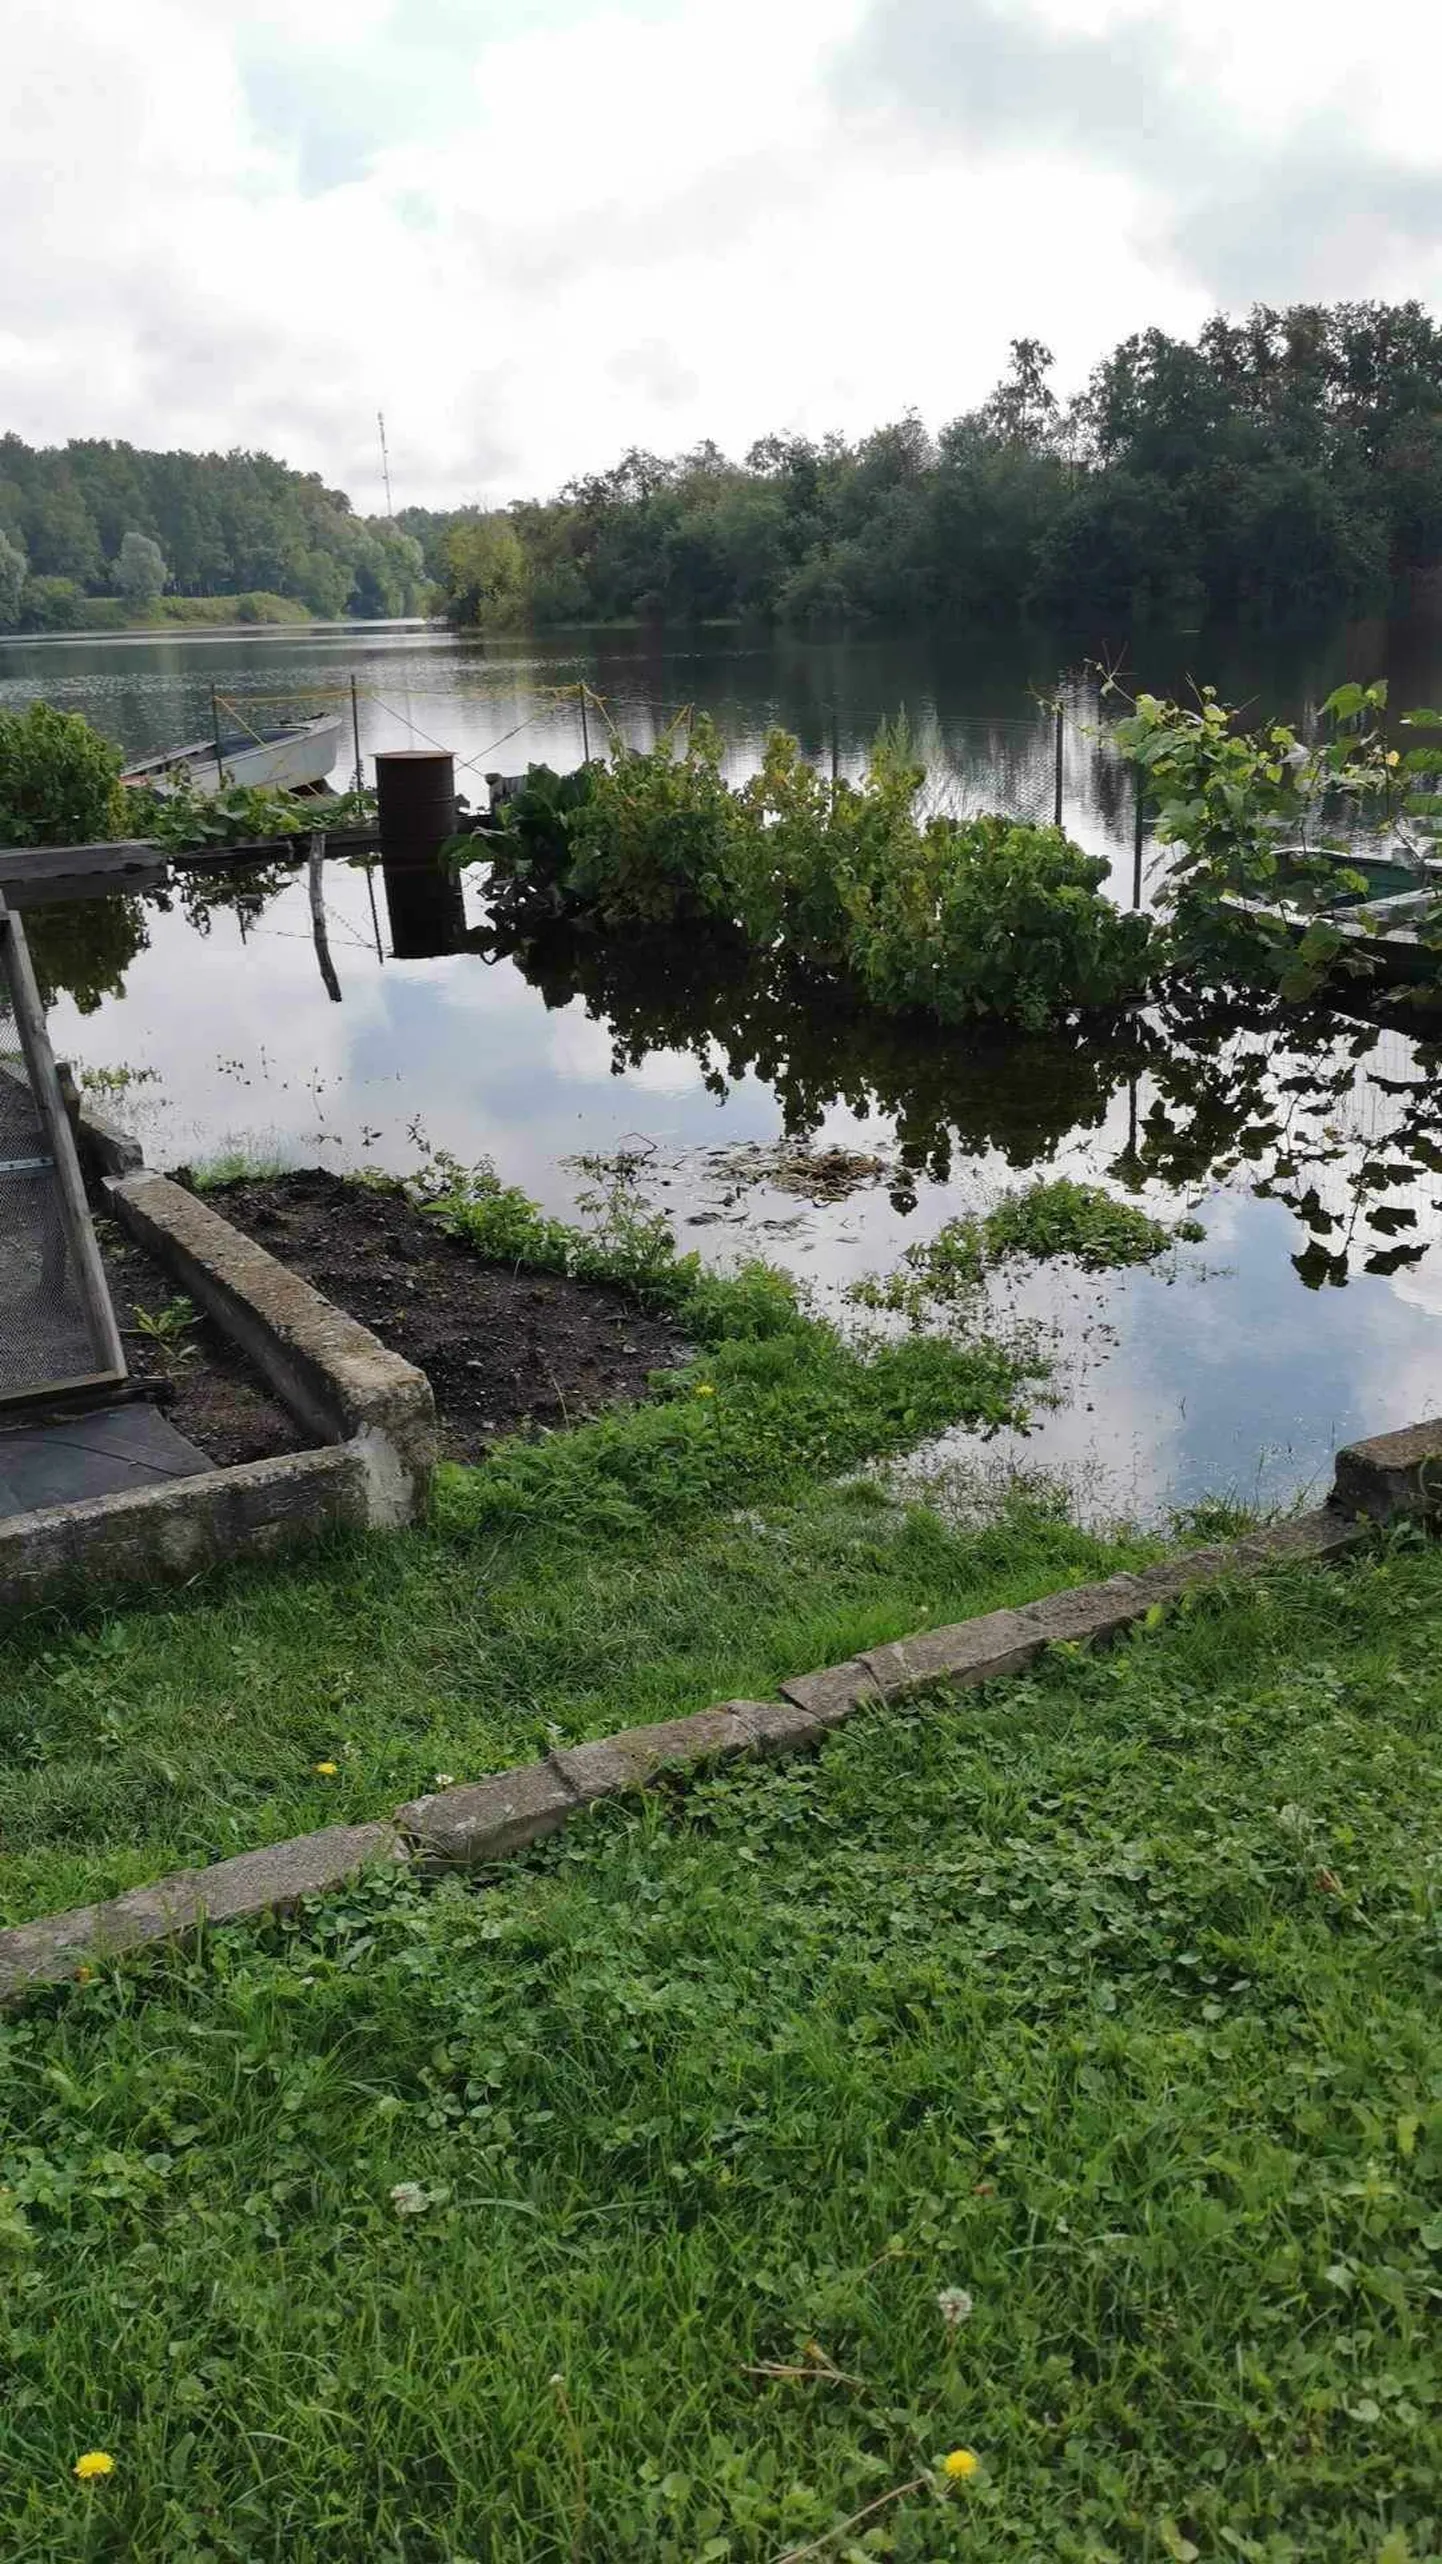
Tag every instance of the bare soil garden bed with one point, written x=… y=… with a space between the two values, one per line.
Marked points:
x=504 y=1348
x=208 y=1389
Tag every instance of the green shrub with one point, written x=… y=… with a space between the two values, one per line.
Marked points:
x=59 y=780
x=994 y=917
x=955 y=919
x=653 y=840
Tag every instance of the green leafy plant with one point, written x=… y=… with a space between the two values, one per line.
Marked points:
x=941 y=917
x=242 y=814
x=168 y=1327
x=1263 y=823
x=994 y=917
x=1043 y=1221
x=59 y=780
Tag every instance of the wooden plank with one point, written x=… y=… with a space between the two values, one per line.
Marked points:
x=126 y=854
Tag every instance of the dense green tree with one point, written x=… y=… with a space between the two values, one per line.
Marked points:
x=1287 y=466
x=14 y=569
x=140 y=571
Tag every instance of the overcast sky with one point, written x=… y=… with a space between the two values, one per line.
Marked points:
x=538 y=231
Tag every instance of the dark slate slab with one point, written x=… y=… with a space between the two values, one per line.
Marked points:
x=110 y=1453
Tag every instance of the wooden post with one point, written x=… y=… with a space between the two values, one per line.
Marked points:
x=215 y=734
x=585 y=726
x=358 y=778
x=1060 y=759
x=1138 y=839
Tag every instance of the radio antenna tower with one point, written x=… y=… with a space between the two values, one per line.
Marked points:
x=385 y=462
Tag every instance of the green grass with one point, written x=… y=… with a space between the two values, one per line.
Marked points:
x=1110 y=1996
x=139 y=1739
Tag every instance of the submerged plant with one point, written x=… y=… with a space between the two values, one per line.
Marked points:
x=1044 y=1222
x=953 y=919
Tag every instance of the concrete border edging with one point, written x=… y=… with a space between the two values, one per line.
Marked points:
x=335 y=1377
x=373 y=1413
x=487 y=1821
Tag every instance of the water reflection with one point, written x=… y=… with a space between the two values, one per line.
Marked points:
x=1340 y=1122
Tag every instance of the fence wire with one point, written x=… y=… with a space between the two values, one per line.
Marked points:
x=48 y=1337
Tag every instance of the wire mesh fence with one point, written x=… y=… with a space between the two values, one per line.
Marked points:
x=56 y=1327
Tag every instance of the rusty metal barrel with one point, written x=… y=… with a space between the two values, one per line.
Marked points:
x=416 y=789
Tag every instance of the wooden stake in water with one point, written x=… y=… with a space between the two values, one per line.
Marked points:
x=1139 y=839
x=359 y=777
x=1060 y=759
x=585 y=725
x=215 y=734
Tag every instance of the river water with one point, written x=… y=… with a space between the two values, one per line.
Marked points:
x=1311 y=1151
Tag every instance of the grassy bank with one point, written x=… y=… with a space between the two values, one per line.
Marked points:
x=701 y=1546
x=602 y=2211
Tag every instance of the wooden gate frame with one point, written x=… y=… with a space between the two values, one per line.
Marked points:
x=75 y=1210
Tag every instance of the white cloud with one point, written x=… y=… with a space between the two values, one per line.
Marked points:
x=539 y=232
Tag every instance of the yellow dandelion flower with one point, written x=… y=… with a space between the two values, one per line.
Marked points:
x=960 y=2465
x=326 y=1771
x=96 y=2461
x=704 y=1389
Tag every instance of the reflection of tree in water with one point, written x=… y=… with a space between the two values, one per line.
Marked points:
x=743 y=1015
x=82 y=948
x=242 y=890
x=1341 y=1122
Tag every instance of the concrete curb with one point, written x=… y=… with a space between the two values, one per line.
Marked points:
x=490 y=1820
x=373 y=1414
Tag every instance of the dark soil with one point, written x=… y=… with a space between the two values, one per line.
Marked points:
x=502 y=1348
x=212 y=1395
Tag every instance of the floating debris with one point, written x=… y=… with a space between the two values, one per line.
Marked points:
x=789 y=1166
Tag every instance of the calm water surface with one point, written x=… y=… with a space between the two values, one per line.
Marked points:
x=1312 y=1153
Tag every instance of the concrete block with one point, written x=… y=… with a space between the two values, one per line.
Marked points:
x=278 y=1875
x=617 y=1764
x=176 y=1529
x=779 y=1727
x=1392 y=1477
x=334 y=1376
x=487 y=1820
x=969 y=1651
x=832 y=1695
x=1308 y=1538
x=1084 y=1612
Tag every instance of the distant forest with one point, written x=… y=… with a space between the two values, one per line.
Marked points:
x=93 y=532
x=1285 y=468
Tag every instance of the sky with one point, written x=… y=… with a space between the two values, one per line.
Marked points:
x=536 y=232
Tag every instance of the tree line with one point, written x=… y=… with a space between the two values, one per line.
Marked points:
x=93 y=521
x=1283 y=468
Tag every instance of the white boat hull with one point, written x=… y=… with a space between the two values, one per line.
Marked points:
x=301 y=756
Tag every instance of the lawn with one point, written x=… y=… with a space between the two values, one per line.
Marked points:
x=602 y=2209
x=701 y=1546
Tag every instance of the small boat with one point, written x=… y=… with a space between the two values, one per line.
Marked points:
x=1385 y=908
x=291 y=756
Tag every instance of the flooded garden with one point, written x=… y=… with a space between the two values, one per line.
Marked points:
x=760 y=1117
